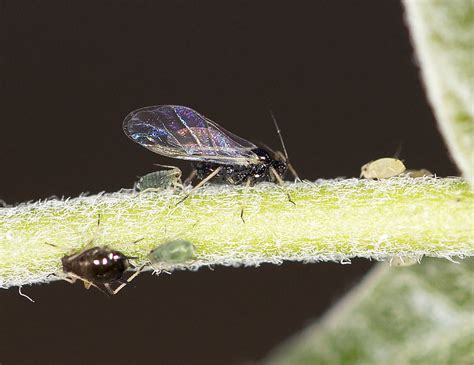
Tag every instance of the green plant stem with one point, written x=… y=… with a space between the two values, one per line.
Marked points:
x=332 y=220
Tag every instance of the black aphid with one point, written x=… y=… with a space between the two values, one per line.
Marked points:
x=180 y=132
x=97 y=265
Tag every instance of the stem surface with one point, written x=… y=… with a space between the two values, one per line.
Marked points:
x=332 y=220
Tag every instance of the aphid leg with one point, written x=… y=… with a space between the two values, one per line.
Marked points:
x=178 y=184
x=201 y=183
x=281 y=183
x=71 y=278
x=278 y=155
x=138 y=272
x=190 y=178
x=290 y=166
x=109 y=289
x=293 y=171
x=247 y=184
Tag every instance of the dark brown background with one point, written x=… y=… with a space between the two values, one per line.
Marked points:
x=339 y=75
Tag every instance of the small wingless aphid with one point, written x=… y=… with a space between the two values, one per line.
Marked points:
x=180 y=132
x=418 y=173
x=160 y=180
x=172 y=252
x=382 y=168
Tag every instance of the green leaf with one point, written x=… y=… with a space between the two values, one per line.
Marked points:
x=443 y=36
x=421 y=314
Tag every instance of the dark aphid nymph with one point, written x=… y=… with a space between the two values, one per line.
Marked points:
x=180 y=132
x=97 y=265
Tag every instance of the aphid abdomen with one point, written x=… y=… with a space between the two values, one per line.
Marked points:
x=240 y=174
x=96 y=265
x=382 y=168
x=163 y=179
x=175 y=251
x=108 y=266
x=230 y=174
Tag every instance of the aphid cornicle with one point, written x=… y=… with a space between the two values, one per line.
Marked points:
x=180 y=132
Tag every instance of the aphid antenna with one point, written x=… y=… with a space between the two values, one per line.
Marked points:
x=398 y=151
x=287 y=158
x=166 y=166
x=279 y=135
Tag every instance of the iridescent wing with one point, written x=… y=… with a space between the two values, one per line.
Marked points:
x=180 y=132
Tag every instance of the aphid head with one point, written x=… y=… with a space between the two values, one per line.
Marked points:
x=364 y=169
x=280 y=166
x=263 y=155
x=278 y=163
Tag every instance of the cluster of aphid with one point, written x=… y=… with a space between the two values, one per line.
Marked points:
x=180 y=132
x=101 y=266
x=384 y=168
